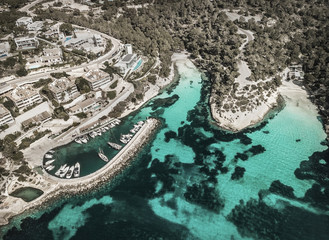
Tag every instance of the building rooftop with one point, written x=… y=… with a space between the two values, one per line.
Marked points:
x=60 y=85
x=4 y=46
x=24 y=38
x=128 y=57
x=3 y=111
x=38 y=118
x=52 y=52
x=36 y=24
x=95 y=75
x=24 y=19
x=86 y=103
x=22 y=92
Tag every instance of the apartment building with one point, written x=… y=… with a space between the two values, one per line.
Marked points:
x=87 y=105
x=35 y=26
x=24 y=96
x=4 y=49
x=97 y=79
x=50 y=56
x=25 y=43
x=5 y=116
x=98 y=40
x=63 y=89
x=127 y=63
x=24 y=21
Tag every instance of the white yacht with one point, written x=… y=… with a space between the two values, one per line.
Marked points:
x=64 y=171
x=48 y=155
x=102 y=155
x=70 y=172
x=60 y=169
x=50 y=167
x=49 y=162
x=76 y=171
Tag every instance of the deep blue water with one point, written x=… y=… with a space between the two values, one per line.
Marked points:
x=195 y=181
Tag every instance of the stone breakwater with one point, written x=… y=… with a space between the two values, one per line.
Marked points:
x=65 y=187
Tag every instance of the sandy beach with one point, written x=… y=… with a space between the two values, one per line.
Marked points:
x=237 y=121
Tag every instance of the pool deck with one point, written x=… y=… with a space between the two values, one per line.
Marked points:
x=54 y=187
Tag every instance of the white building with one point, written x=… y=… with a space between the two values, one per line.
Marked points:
x=129 y=49
x=4 y=49
x=5 y=116
x=98 y=40
x=24 y=96
x=97 y=79
x=296 y=71
x=85 y=40
x=35 y=26
x=63 y=89
x=87 y=105
x=127 y=63
x=50 y=56
x=25 y=43
x=24 y=21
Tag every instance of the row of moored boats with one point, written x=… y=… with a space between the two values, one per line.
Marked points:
x=64 y=170
x=98 y=132
x=49 y=163
x=125 y=138
x=69 y=171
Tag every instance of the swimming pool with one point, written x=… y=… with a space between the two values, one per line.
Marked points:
x=138 y=64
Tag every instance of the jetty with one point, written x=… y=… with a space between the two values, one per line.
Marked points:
x=55 y=187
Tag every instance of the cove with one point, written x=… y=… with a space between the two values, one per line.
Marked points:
x=188 y=182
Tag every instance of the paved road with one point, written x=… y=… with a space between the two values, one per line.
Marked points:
x=32 y=78
x=28 y=6
x=117 y=46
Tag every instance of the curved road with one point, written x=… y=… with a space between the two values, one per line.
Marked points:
x=106 y=57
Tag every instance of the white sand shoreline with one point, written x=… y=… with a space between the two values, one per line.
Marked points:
x=288 y=91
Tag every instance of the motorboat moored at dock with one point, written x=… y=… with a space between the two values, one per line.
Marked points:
x=76 y=171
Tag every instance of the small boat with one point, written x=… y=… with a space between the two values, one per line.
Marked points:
x=99 y=132
x=50 y=167
x=78 y=140
x=50 y=162
x=106 y=128
x=60 y=169
x=114 y=145
x=70 y=172
x=92 y=134
x=76 y=171
x=102 y=155
x=83 y=140
x=51 y=151
x=48 y=155
x=64 y=171
x=103 y=130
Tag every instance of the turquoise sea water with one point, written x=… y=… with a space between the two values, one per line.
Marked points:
x=195 y=181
